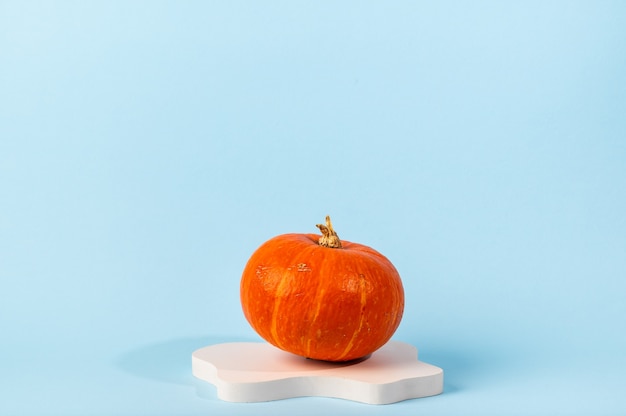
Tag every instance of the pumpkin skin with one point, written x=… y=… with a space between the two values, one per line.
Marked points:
x=331 y=304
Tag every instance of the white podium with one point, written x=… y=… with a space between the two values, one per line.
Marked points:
x=258 y=372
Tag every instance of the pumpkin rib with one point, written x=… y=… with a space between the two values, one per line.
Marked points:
x=359 y=327
x=275 y=313
x=318 y=302
x=285 y=305
x=320 y=263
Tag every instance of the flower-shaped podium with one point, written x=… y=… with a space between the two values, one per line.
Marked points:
x=257 y=372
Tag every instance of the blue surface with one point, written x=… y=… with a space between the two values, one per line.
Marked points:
x=147 y=148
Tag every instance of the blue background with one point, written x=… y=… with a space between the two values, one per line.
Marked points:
x=147 y=148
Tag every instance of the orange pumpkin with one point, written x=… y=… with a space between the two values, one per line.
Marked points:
x=320 y=297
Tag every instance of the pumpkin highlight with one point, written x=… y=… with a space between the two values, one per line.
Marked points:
x=320 y=297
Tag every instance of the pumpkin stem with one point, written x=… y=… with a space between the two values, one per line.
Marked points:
x=329 y=236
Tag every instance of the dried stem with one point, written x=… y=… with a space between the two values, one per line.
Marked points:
x=329 y=236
